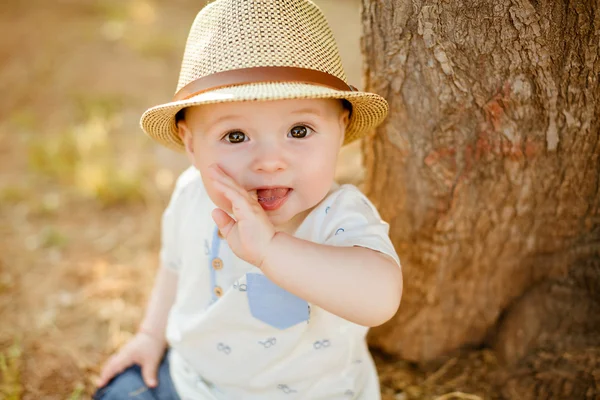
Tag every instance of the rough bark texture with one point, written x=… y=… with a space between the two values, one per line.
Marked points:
x=488 y=171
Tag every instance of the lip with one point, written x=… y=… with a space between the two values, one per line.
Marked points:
x=274 y=204
x=271 y=187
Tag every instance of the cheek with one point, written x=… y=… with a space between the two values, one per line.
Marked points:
x=228 y=161
x=318 y=174
x=216 y=197
x=232 y=164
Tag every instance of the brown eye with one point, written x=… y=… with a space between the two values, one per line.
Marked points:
x=235 y=137
x=300 y=132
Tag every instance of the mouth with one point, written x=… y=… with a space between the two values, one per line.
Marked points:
x=272 y=198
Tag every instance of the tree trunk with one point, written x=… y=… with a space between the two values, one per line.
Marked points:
x=488 y=171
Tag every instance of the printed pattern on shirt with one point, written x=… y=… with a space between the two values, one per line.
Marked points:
x=272 y=321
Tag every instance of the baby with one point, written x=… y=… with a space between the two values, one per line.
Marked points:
x=271 y=273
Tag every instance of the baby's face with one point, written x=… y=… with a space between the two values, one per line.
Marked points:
x=281 y=152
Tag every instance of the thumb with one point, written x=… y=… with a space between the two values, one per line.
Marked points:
x=149 y=372
x=223 y=220
x=114 y=365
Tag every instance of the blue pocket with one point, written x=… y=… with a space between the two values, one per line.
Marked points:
x=273 y=305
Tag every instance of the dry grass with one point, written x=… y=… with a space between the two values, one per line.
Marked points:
x=466 y=376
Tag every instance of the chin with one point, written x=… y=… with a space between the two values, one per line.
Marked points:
x=278 y=220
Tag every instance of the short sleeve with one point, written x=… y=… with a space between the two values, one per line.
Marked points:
x=352 y=220
x=170 y=252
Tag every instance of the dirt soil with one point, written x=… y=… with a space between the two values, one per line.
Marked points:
x=82 y=190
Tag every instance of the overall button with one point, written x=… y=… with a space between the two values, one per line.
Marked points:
x=218 y=291
x=217 y=263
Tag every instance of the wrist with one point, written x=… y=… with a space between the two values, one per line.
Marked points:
x=152 y=334
x=270 y=249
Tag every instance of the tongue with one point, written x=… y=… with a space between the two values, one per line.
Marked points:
x=270 y=194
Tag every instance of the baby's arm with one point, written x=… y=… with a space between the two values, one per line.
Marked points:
x=165 y=286
x=355 y=283
x=147 y=347
x=160 y=303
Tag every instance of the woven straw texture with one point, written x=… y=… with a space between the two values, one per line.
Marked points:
x=235 y=34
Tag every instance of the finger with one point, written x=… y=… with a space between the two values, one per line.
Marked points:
x=226 y=186
x=114 y=365
x=240 y=204
x=149 y=373
x=218 y=172
x=223 y=220
x=220 y=176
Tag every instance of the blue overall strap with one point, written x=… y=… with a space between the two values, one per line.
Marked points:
x=214 y=253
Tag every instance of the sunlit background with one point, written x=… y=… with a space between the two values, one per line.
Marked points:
x=82 y=188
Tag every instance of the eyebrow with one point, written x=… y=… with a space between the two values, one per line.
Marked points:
x=225 y=118
x=307 y=111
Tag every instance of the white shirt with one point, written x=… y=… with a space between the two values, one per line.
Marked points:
x=236 y=335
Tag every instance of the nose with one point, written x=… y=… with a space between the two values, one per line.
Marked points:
x=269 y=156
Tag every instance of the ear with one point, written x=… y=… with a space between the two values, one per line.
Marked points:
x=344 y=121
x=187 y=138
x=345 y=118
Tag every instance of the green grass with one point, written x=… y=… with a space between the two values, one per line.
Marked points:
x=24 y=120
x=53 y=156
x=84 y=157
x=112 y=10
x=50 y=237
x=78 y=392
x=11 y=387
x=12 y=194
x=155 y=45
x=96 y=105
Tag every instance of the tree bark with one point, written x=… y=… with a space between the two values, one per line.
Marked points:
x=487 y=169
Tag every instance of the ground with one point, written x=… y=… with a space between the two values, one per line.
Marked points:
x=82 y=190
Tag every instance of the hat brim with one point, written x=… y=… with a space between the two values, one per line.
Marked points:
x=368 y=109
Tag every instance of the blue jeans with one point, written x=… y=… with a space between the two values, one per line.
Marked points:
x=130 y=385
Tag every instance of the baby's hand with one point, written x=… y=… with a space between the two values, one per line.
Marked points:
x=251 y=232
x=143 y=350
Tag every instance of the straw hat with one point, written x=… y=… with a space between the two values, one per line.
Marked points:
x=252 y=50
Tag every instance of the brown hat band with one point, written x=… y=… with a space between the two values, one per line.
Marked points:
x=245 y=76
